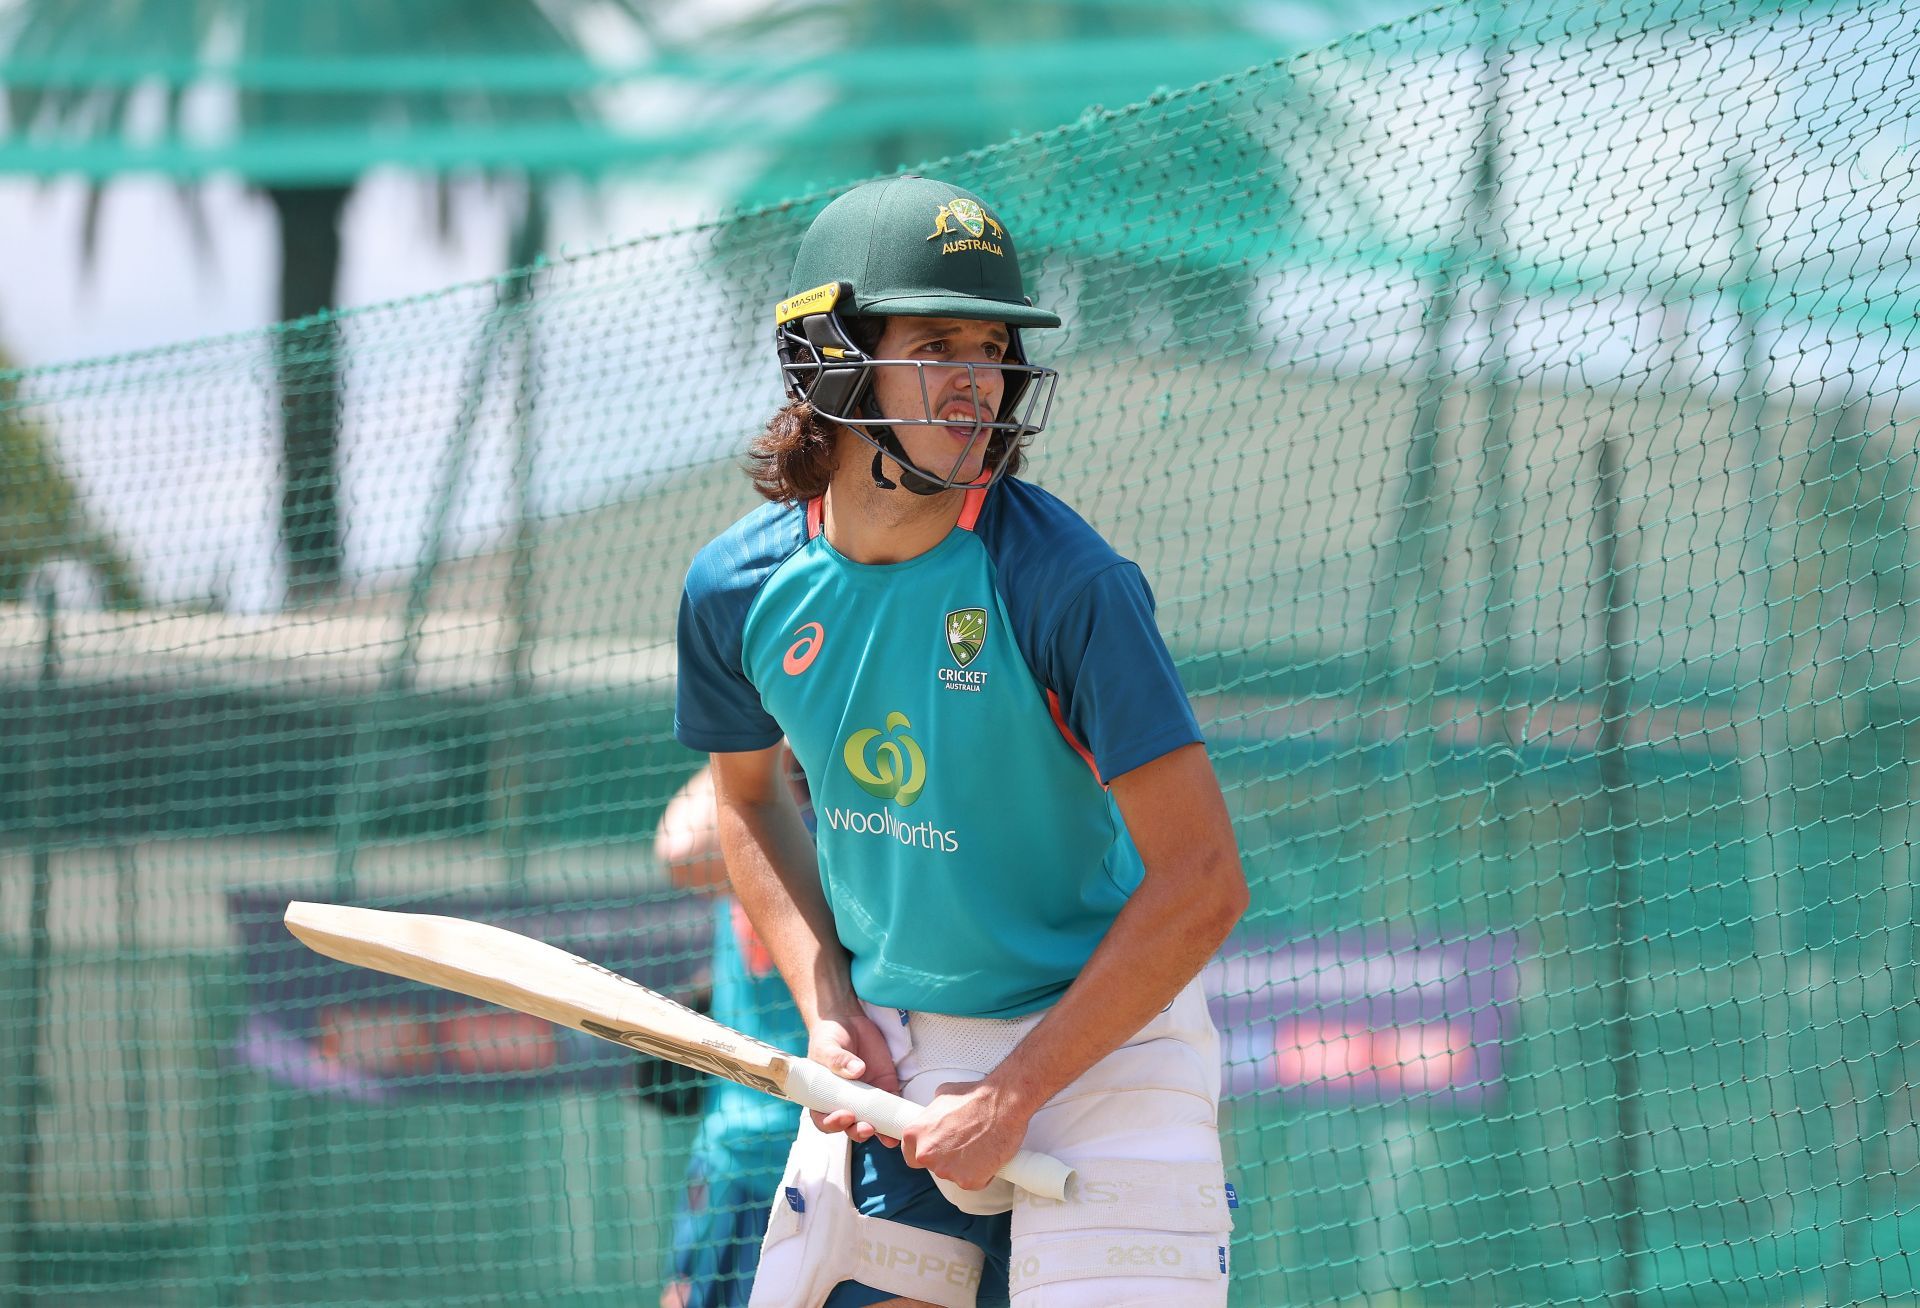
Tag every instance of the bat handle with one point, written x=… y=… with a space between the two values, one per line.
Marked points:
x=813 y=1086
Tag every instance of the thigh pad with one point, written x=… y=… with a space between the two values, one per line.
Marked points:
x=816 y=1239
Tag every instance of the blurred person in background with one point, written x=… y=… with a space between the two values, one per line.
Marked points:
x=744 y=1135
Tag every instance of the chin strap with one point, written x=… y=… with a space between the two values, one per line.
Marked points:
x=887 y=439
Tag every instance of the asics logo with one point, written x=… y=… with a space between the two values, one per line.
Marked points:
x=800 y=655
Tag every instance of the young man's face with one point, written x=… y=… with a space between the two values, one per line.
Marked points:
x=954 y=397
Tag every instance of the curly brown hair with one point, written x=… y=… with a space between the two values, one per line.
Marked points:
x=793 y=459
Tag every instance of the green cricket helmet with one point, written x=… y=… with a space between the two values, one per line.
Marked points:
x=908 y=247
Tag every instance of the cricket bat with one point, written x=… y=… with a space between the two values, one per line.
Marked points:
x=518 y=972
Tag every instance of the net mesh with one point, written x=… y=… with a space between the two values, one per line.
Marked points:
x=1513 y=411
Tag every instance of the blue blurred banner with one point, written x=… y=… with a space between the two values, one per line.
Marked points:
x=1352 y=1016
x=1366 y=1016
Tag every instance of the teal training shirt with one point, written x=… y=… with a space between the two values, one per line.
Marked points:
x=955 y=715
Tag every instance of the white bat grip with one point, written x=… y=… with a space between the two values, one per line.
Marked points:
x=813 y=1086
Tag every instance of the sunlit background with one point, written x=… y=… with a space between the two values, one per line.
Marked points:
x=1511 y=405
x=165 y=160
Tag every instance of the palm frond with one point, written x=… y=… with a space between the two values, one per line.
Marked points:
x=193 y=208
x=96 y=202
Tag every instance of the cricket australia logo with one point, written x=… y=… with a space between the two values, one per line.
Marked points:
x=966 y=632
x=887 y=768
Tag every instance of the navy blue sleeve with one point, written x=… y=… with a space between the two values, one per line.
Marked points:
x=1083 y=616
x=716 y=707
x=1118 y=691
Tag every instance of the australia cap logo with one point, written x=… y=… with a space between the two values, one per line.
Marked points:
x=973 y=220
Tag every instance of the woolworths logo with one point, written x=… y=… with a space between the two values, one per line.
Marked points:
x=890 y=766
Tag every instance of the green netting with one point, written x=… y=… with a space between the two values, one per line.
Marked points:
x=1514 y=412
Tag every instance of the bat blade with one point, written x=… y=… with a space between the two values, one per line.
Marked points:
x=518 y=972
